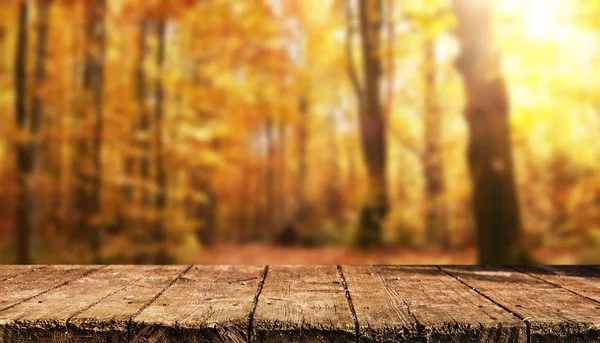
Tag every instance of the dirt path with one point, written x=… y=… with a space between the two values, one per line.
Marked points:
x=271 y=254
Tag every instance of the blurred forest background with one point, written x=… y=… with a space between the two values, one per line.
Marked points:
x=313 y=131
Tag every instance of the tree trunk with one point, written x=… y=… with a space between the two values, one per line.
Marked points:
x=133 y=163
x=495 y=202
x=24 y=225
x=372 y=126
x=144 y=117
x=334 y=200
x=282 y=211
x=88 y=192
x=391 y=65
x=436 y=214
x=161 y=175
x=302 y=136
x=97 y=90
x=37 y=110
x=269 y=176
x=205 y=212
x=245 y=225
x=561 y=182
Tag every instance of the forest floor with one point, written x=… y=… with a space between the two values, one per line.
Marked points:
x=262 y=253
x=272 y=254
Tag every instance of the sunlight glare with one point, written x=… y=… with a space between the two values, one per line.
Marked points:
x=541 y=18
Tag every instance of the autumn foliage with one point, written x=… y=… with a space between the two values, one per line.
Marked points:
x=146 y=130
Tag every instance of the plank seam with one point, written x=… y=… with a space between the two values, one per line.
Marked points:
x=420 y=326
x=524 y=320
x=553 y=284
x=350 y=303
x=96 y=302
x=249 y=335
x=30 y=270
x=130 y=321
x=53 y=288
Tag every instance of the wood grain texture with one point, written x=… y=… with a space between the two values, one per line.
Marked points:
x=580 y=280
x=381 y=313
x=48 y=317
x=303 y=304
x=553 y=314
x=412 y=304
x=28 y=285
x=114 y=304
x=10 y=271
x=206 y=304
x=108 y=321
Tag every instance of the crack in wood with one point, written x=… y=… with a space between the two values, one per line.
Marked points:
x=301 y=303
x=250 y=335
x=87 y=307
x=492 y=300
x=29 y=270
x=154 y=299
x=350 y=303
x=552 y=283
x=420 y=326
x=54 y=287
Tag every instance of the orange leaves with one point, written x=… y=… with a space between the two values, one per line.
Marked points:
x=157 y=9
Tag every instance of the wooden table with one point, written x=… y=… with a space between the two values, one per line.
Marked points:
x=299 y=304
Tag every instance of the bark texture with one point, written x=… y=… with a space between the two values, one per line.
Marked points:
x=495 y=202
x=161 y=175
x=371 y=118
x=88 y=162
x=436 y=213
x=24 y=225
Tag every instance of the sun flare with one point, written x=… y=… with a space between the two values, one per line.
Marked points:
x=542 y=19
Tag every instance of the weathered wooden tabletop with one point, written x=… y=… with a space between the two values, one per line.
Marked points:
x=299 y=304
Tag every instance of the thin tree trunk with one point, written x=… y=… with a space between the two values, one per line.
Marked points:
x=144 y=118
x=37 y=110
x=37 y=107
x=269 y=174
x=372 y=125
x=436 y=215
x=133 y=163
x=88 y=193
x=560 y=184
x=244 y=222
x=496 y=207
x=138 y=165
x=302 y=136
x=282 y=173
x=391 y=35
x=70 y=207
x=333 y=196
x=161 y=175
x=257 y=206
x=97 y=90
x=24 y=225
x=205 y=212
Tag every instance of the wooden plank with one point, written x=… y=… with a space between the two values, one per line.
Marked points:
x=412 y=304
x=553 y=314
x=581 y=280
x=11 y=271
x=28 y=285
x=108 y=321
x=382 y=316
x=46 y=318
x=303 y=304
x=208 y=303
